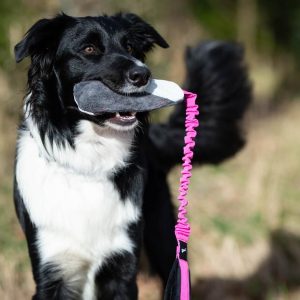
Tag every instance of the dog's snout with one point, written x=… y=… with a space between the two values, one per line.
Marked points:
x=138 y=76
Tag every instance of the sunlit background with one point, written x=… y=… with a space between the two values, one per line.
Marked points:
x=245 y=213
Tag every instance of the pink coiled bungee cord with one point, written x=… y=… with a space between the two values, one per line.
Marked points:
x=178 y=286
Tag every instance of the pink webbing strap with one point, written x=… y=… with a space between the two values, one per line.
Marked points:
x=182 y=228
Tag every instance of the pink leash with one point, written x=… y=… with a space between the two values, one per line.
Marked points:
x=178 y=287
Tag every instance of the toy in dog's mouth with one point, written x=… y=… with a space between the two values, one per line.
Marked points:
x=96 y=99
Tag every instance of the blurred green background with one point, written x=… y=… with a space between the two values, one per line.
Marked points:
x=245 y=213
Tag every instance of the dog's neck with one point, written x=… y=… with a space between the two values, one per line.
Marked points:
x=96 y=151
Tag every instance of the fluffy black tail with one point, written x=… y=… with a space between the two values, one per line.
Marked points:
x=216 y=72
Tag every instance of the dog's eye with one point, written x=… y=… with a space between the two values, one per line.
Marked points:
x=90 y=50
x=129 y=48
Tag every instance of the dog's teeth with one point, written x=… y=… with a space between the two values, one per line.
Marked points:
x=125 y=116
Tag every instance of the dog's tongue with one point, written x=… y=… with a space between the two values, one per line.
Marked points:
x=93 y=97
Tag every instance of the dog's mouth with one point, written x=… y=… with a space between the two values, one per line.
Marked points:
x=122 y=118
x=117 y=120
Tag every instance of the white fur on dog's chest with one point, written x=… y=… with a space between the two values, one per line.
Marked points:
x=77 y=215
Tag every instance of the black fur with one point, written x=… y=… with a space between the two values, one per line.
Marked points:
x=58 y=60
x=115 y=282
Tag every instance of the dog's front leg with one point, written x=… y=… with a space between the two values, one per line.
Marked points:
x=56 y=282
x=116 y=280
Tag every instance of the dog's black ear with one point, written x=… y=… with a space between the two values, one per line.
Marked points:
x=146 y=35
x=42 y=37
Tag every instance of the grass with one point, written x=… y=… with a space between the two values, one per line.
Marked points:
x=245 y=213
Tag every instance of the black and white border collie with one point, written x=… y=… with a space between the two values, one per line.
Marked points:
x=90 y=190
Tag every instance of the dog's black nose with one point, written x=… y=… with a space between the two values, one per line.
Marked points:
x=138 y=76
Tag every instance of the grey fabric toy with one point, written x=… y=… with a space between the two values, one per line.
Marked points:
x=94 y=97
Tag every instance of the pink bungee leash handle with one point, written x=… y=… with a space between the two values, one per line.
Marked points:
x=178 y=286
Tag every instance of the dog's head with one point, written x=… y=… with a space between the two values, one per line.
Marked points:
x=66 y=50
